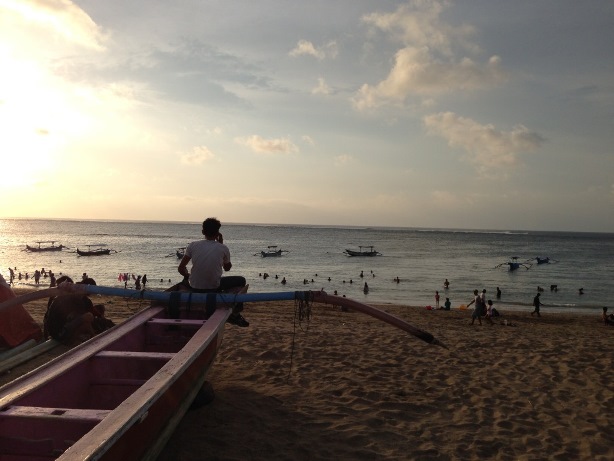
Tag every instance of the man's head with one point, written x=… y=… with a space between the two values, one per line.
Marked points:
x=211 y=227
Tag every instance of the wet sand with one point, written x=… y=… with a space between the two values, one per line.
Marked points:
x=346 y=386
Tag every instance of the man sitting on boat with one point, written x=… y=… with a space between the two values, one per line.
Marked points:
x=210 y=258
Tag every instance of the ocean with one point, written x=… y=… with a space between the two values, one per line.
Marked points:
x=421 y=259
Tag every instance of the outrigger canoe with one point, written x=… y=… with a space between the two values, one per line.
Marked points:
x=120 y=395
x=97 y=250
x=39 y=248
x=514 y=264
x=272 y=251
x=361 y=252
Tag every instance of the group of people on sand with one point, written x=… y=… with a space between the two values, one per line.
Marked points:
x=482 y=308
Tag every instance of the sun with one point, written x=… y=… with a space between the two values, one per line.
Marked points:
x=28 y=113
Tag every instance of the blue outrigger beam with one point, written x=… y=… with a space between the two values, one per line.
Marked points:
x=186 y=296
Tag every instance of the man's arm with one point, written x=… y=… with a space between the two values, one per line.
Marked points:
x=183 y=266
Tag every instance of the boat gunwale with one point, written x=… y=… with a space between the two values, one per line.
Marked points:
x=54 y=368
x=134 y=408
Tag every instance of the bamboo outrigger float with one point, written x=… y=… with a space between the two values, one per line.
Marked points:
x=120 y=395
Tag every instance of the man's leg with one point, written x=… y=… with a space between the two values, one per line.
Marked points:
x=232 y=281
x=228 y=283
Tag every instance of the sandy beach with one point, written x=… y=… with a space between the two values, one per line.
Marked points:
x=346 y=386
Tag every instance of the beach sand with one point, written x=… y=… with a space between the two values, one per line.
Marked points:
x=348 y=387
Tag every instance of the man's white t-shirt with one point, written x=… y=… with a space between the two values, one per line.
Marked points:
x=208 y=258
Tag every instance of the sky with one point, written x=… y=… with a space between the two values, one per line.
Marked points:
x=474 y=114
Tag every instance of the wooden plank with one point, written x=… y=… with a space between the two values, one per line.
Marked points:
x=182 y=322
x=28 y=354
x=7 y=354
x=72 y=414
x=135 y=355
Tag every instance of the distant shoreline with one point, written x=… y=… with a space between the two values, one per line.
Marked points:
x=325 y=226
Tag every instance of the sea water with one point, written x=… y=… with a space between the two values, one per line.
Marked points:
x=421 y=259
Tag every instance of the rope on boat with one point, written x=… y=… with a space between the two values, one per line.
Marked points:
x=302 y=312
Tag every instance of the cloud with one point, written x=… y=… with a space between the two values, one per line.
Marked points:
x=322 y=87
x=487 y=147
x=418 y=24
x=304 y=47
x=198 y=156
x=268 y=146
x=415 y=72
x=308 y=140
x=343 y=159
x=63 y=17
x=447 y=199
x=214 y=131
x=429 y=61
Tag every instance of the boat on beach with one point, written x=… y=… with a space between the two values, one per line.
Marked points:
x=117 y=396
x=39 y=248
x=95 y=249
x=272 y=251
x=369 y=251
x=121 y=394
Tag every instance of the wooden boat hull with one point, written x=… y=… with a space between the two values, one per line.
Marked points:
x=268 y=254
x=118 y=396
x=40 y=249
x=361 y=253
x=94 y=252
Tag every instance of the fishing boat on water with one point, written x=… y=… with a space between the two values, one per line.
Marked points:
x=52 y=247
x=542 y=260
x=513 y=264
x=95 y=249
x=272 y=251
x=369 y=251
x=124 y=391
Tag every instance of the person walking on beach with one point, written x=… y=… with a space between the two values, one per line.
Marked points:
x=607 y=319
x=437 y=299
x=536 y=304
x=210 y=258
x=489 y=312
x=477 y=310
